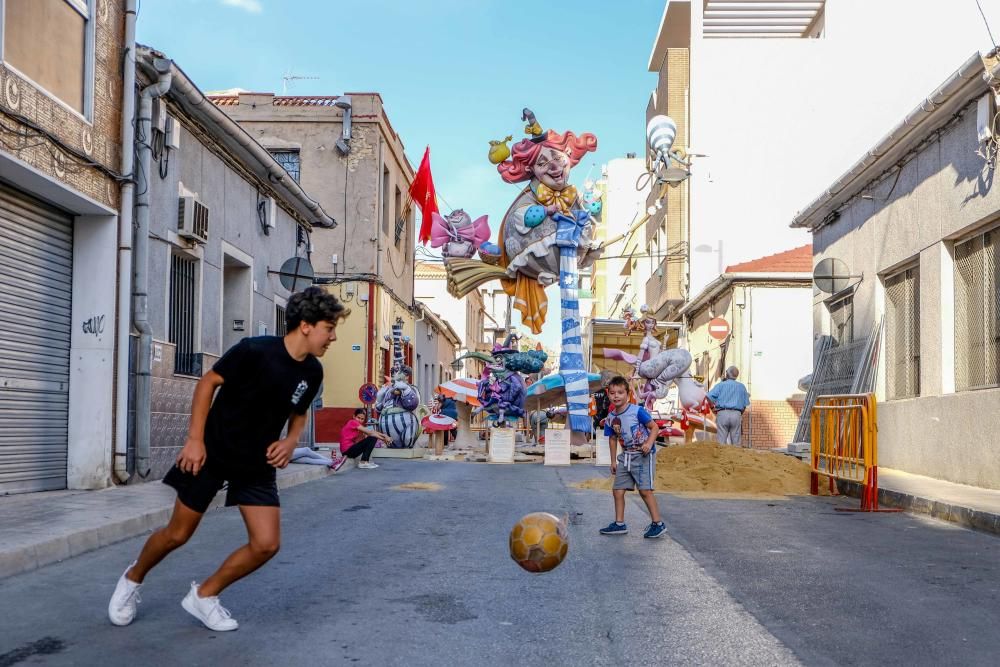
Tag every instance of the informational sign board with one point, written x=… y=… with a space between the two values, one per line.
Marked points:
x=502 y=445
x=718 y=328
x=603 y=449
x=557 y=446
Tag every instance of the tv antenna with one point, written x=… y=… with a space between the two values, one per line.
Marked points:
x=288 y=76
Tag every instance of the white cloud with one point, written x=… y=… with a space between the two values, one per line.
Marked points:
x=252 y=6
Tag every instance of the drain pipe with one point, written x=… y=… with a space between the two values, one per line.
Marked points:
x=124 y=325
x=140 y=288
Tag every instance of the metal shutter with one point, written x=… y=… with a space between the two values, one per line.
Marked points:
x=36 y=271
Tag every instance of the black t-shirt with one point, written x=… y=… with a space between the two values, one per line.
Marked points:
x=263 y=386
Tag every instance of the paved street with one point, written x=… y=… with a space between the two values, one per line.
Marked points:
x=371 y=575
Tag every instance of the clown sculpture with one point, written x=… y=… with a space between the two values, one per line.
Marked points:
x=396 y=401
x=545 y=237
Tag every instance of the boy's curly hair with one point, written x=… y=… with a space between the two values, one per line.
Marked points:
x=312 y=305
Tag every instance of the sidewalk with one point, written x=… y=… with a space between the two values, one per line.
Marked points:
x=41 y=528
x=969 y=506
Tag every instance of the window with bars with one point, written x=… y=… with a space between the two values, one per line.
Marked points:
x=183 y=310
x=977 y=312
x=280 y=326
x=842 y=319
x=290 y=160
x=902 y=342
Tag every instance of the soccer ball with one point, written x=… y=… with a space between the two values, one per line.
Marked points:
x=539 y=542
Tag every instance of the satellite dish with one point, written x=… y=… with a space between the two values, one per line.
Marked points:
x=296 y=274
x=831 y=275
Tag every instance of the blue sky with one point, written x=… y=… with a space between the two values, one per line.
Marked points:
x=453 y=73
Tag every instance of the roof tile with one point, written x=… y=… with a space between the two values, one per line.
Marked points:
x=797 y=260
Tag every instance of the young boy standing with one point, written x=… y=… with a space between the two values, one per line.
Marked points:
x=633 y=428
x=263 y=383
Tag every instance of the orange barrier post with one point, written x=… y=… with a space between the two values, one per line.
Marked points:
x=845 y=445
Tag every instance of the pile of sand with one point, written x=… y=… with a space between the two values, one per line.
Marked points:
x=708 y=468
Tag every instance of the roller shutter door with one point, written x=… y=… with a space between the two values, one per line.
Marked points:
x=36 y=270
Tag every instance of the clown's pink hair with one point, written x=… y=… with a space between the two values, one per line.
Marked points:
x=525 y=152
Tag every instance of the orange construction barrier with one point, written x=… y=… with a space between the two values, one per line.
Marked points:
x=845 y=445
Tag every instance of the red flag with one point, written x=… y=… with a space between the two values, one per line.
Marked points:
x=422 y=193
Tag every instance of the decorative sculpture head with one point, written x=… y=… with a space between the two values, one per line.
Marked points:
x=548 y=161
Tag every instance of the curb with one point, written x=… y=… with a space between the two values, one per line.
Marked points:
x=985 y=522
x=48 y=550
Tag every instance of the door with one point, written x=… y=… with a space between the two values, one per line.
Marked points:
x=36 y=273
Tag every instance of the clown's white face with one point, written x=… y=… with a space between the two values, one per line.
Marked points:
x=552 y=168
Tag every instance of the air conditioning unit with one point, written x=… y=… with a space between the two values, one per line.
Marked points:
x=192 y=220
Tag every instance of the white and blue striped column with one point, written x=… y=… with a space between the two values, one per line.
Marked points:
x=571 y=367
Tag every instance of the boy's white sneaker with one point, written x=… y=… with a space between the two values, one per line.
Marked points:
x=208 y=610
x=125 y=600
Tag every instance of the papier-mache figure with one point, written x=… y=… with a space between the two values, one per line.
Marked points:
x=546 y=237
x=397 y=400
x=458 y=235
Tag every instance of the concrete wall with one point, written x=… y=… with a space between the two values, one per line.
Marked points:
x=234 y=233
x=432 y=362
x=665 y=288
x=93 y=198
x=778 y=341
x=770 y=344
x=623 y=206
x=466 y=316
x=237 y=249
x=793 y=114
x=941 y=195
x=350 y=188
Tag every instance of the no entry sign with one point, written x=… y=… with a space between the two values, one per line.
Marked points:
x=718 y=328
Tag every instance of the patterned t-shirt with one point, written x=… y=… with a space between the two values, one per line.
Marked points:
x=629 y=426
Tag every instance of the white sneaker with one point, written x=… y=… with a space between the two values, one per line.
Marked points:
x=208 y=610
x=125 y=599
x=367 y=465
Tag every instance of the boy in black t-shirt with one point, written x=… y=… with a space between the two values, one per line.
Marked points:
x=262 y=383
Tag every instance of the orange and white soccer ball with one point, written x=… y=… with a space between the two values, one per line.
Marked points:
x=539 y=542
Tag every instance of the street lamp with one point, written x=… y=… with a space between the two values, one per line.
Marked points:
x=704 y=247
x=660 y=133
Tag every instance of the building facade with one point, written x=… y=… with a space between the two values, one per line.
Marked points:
x=436 y=343
x=61 y=166
x=467 y=316
x=912 y=233
x=620 y=275
x=766 y=305
x=224 y=216
x=768 y=142
x=344 y=149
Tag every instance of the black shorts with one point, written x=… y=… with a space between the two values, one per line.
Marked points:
x=197 y=491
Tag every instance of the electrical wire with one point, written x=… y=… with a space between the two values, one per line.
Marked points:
x=981 y=13
x=56 y=147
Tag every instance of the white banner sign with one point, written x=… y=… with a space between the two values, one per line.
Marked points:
x=557 y=447
x=603 y=457
x=502 y=445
